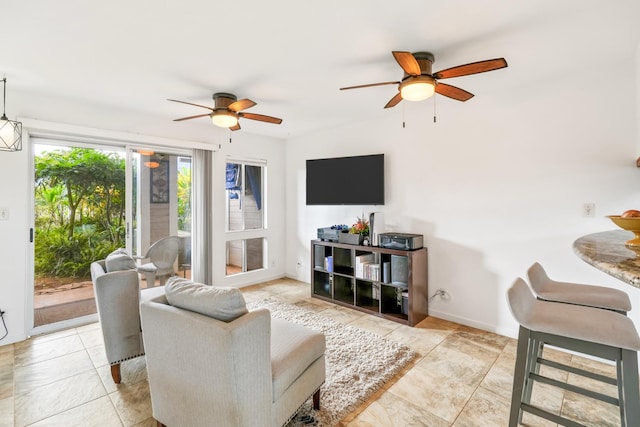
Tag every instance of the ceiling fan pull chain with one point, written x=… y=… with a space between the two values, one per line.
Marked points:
x=434 y=109
x=403 y=126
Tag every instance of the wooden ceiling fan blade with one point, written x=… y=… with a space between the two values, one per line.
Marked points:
x=453 y=92
x=408 y=62
x=370 y=85
x=261 y=118
x=240 y=105
x=189 y=103
x=394 y=101
x=472 y=68
x=191 y=117
x=236 y=127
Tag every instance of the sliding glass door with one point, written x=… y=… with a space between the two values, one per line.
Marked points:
x=92 y=199
x=160 y=202
x=79 y=206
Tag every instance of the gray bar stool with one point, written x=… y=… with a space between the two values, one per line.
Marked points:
x=587 y=330
x=547 y=289
x=570 y=293
x=574 y=293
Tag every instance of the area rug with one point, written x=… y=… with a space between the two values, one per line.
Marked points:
x=358 y=362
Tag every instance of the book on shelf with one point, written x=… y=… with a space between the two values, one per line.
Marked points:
x=361 y=260
x=367 y=267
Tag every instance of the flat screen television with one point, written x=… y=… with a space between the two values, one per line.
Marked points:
x=355 y=180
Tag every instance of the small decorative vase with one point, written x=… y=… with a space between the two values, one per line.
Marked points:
x=351 y=239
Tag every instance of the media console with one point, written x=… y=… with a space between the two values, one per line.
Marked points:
x=389 y=283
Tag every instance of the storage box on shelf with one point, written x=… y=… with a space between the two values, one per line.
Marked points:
x=390 y=283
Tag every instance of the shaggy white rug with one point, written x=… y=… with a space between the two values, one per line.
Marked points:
x=358 y=362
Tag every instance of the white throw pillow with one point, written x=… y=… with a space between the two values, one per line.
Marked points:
x=222 y=303
x=119 y=260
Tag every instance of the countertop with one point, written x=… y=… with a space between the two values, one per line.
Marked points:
x=607 y=251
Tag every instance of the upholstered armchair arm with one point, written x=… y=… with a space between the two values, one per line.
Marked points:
x=117 y=299
x=219 y=373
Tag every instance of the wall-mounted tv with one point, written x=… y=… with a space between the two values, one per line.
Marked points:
x=355 y=180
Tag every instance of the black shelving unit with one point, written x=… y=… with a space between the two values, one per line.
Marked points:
x=388 y=283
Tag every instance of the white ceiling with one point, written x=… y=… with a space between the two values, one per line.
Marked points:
x=113 y=64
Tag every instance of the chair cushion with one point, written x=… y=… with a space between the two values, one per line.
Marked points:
x=293 y=349
x=150 y=293
x=147 y=268
x=222 y=303
x=119 y=260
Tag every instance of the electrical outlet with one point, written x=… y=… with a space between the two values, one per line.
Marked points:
x=4 y=214
x=443 y=294
x=589 y=210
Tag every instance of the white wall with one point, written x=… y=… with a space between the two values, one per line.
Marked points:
x=498 y=182
x=14 y=243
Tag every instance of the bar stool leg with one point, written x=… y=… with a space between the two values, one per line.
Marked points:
x=519 y=374
x=535 y=351
x=630 y=396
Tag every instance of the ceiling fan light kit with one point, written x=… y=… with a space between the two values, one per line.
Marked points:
x=417 y=88
x=224 y=118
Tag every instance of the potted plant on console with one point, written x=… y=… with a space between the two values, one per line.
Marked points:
x=356 y=234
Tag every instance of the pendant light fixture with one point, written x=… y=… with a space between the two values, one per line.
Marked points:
x=10 y=131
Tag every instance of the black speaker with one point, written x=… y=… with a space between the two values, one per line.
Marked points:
x=399 y=270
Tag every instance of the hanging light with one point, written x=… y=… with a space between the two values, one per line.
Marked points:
x=417 y=88
x=152 y=164
x=224 y=118
x=10 y=131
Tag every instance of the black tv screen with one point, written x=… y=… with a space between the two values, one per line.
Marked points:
x=356 y=180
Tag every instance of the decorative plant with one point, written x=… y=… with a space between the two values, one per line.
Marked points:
x=360 y=227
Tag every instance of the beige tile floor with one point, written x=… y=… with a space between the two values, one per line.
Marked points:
x=461 y=378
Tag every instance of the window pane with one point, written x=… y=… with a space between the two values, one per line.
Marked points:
x=161 y=200
x=245 y=255
x=245 y=197
x=255 y=254
x=253 y=197
x=234 y=197
x=234 y=257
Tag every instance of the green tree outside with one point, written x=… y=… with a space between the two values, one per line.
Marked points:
x=79 y=203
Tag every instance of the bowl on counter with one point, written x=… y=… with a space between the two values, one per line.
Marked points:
x=630 y=224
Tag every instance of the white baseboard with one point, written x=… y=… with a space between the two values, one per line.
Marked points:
x=473 y=323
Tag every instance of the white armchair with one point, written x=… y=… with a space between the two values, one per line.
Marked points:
x=162 y=256
x=249 y=372
x=118 y=295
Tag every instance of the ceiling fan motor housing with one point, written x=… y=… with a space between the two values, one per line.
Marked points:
x=223 y=99
x=425 y=60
